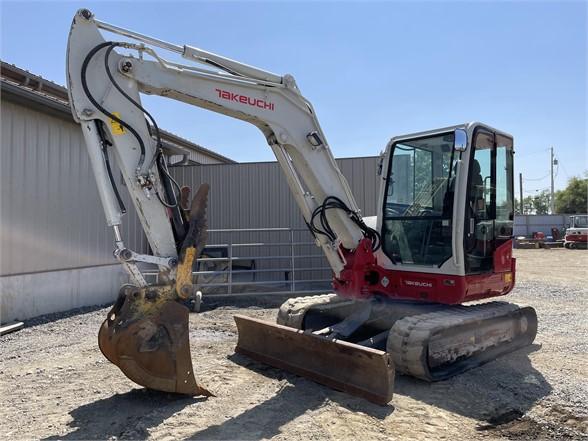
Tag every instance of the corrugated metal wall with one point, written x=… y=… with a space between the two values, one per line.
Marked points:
x=256 y=195
x=198 y=157
x=50 y=214
x=51 y=217
x=527 y=224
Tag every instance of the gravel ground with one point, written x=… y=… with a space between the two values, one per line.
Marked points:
x=56 y=384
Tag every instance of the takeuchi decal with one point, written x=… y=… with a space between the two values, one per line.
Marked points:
x=418 y=284
x=244 y=99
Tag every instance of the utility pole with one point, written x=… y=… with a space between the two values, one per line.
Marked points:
x=551 y=198
x=521 y=193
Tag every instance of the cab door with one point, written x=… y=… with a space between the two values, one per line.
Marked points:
x=490 y=199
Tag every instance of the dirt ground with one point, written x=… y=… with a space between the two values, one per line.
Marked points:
x=55 y=384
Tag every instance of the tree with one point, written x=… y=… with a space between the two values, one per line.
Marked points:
x=527 y=205
x=538 y=204
x=541 y=202
x=574 y=198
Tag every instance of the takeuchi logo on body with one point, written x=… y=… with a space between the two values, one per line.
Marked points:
x=244 y=99
x=418 y=284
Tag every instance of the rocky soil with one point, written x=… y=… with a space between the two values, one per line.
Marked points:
x=55 y=384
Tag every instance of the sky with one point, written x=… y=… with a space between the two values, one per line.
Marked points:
x=371 y=70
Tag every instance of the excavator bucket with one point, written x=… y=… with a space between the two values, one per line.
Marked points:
x=146 y=336
x=350 y=368
x=146 y=331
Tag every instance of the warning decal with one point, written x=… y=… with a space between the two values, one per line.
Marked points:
x=117 y=128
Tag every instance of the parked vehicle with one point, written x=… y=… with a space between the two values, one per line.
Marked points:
x=577 y=234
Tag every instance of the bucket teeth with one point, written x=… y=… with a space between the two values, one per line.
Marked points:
x=148 y=339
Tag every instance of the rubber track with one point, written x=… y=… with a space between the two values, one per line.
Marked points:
x=292 y=311
x=409 y=337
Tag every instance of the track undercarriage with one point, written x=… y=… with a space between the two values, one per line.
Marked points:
x=356 y=346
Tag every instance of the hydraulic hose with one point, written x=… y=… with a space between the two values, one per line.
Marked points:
x=102 y=109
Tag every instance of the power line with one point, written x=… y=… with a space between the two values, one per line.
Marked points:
x=533 y=191
x=565 y=171
x=519 y=155
x=536 y=179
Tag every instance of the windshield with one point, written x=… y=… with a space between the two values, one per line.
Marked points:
x=420 y=177
x=580 y=221
x=419 y=200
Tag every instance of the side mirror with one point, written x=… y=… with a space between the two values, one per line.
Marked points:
x=460 y=140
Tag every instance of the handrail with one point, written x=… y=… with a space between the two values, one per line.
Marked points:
x=223 y=267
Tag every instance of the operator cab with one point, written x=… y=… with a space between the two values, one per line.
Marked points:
x=439 y=179
x=579 y=221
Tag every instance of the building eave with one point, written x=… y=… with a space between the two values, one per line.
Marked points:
x=22 y=87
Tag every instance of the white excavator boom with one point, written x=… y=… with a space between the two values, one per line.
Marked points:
x=146 y=332
x=271 y=102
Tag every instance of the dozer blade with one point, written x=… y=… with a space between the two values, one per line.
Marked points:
x=347 y=367
x=146 y=336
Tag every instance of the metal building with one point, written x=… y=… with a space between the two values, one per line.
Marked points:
x=256 y=194
x=255 y=197
x=55 y=248
x=527 y=224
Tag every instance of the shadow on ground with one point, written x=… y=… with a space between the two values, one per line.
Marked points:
x=293 y=400
x=495 y=393
x=124 y=416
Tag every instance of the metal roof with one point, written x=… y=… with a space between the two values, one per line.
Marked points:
x=23 y=86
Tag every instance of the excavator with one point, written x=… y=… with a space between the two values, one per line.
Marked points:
x=442 y=236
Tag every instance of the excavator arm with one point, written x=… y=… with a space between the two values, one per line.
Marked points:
x=146 y=332
x=104 y=88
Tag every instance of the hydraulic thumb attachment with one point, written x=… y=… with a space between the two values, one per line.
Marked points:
x=146 y=332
